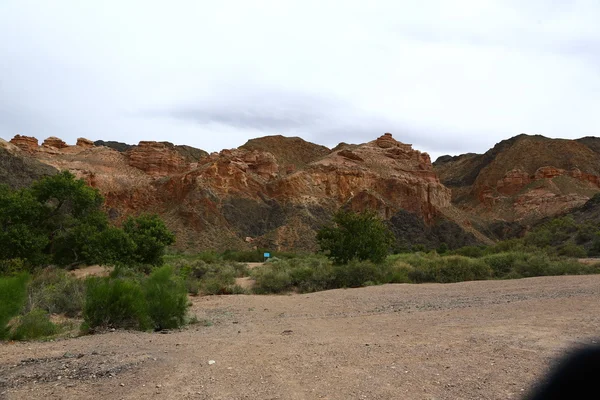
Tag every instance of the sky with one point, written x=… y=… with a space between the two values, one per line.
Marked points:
x=448 y=76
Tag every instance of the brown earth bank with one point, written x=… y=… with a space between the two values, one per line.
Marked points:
x=470 y=340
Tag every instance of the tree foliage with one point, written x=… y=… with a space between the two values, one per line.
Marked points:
x=59 y=220
x=361 y=236
x=150 y=236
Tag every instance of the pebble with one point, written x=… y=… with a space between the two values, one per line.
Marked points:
x=211 y=362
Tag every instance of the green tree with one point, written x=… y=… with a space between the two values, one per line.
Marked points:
x=150 y=235
x=60 y=220
x=21 y=234
x=361 y=236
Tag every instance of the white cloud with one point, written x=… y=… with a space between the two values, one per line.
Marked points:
x=449 y=76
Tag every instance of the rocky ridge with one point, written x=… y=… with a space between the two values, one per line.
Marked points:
x=249 y=196
x=523 y=179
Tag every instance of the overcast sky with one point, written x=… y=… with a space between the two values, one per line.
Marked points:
x=447 y=76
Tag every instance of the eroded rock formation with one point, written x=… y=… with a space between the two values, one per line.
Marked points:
x=86 y=143
x=277 y=198
x=26 y=143
x=55 y=142
x=156 y=159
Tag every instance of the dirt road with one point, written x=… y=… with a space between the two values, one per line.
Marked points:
x=472 y=340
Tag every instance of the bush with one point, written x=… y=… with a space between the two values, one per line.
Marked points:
x=128 y=300
x=151 y=237
x=357 y=273
x=534 y=265
x=211 y=279
x=12 y=266
x=313 y=274
x=503 y=263
x=13 y=294
x=59 y=220
x=459 y=269
x=308 y=274
x=56 y=292
x=398 y=273
x=33 y=325
x=469 y=251
x=167 y=299
x=570 y=249
x=117 y=303
x=272 y=279
x=361 y=236
x=244 y=256
x=450 y=269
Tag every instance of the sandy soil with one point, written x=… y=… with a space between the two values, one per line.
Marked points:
x=471 y=340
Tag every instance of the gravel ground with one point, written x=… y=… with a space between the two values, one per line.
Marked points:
x=470 y=340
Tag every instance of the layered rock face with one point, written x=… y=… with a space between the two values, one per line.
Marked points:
x=26 y=143
x=55 y=142
x=156 y=159
x=86 y=143
x=384 y=174
x=249 y=196
x=524 y=178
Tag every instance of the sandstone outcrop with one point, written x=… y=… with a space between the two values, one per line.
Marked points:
x=55 y=142
x=277 y=191
x=367 y=177
x=25 y=143
x=156 y=159
x=288 y=150
x=85 y=143
x=524 y=178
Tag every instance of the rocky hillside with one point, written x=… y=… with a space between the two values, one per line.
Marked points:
x=18 y=170
x=191 y=154
x=272 y=192
x=523 y=179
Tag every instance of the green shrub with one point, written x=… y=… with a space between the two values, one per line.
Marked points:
x=271 y=280
x=151 y=237
x=459 y=268
x=13 y=266
x=192 y=286
x=311 y=274
x=534 y=265
x=166 y=297
x=469 y=251
x=506 y=246
x=13 y=294
x=118 y=303
x=570 y=249
x=503 y=263
x=215 y=284
x=442 y=248
x=33 y=325
x=398 y=272
x=418 y=248
x=215 y=278
x=56 y=292
x=357 y=273
x=244 y=256
x=307 y=274
x=585 y=233
x=450 y=269
x=361 y=236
